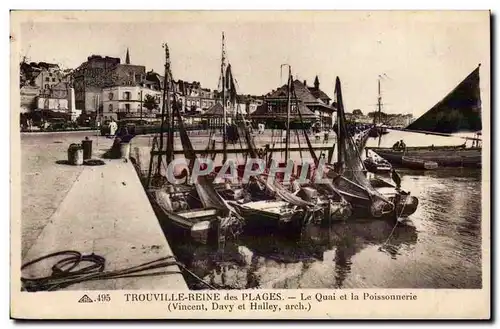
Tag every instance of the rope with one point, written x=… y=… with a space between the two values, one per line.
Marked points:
x=64 y=272
x=396 y=224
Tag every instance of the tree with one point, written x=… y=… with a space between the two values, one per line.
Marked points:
x=357 y=112
x=150 y=102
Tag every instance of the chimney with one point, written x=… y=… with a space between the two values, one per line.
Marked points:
x=305 y=83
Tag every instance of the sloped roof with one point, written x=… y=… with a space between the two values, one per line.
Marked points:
x=215 y=111
x=302 y=92
x=318 y=93
x=262 y=111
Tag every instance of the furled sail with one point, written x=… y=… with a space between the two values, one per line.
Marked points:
x=352 y=179
x=459 y=111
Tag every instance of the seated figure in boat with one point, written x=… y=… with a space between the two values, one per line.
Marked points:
x=399 y=146
x=402 y=145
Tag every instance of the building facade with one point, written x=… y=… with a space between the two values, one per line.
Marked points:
x=136 y=101
x=89 y=79
x=49 y=76
x=194 y=98
x=99 y=72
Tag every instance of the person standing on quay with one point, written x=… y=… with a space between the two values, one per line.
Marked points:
x=113 y=127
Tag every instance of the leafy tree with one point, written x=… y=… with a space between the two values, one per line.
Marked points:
x=150 y=102
x=357 y=112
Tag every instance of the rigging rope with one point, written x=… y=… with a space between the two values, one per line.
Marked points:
x=396 y=224
x=65 y=272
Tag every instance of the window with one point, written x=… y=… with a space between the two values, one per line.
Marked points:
x=110 y=108
x=47 y=79
x=53 y=79
x=47 y=86
x=126 y=95
x=139 y=96
x=110 y=96
x=127 y=108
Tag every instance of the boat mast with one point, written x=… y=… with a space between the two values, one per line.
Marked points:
x=222 y=71
x=288 y=105
x=164 y=111
x=170 y=113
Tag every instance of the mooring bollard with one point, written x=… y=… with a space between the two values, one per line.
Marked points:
x=87 y=148
x=75 y=155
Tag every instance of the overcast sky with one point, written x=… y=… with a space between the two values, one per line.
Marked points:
x=422 y=55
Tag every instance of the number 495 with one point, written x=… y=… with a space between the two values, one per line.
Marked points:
x=104 y=298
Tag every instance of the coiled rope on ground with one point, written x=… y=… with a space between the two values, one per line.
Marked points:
x=67 y=271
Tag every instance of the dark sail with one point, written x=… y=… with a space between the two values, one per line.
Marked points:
x=459 y=111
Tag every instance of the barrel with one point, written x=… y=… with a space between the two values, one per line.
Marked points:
x=125 y=150
x=87 y=148
x=75 y=154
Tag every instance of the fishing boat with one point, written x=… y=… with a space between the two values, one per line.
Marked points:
x=376 y=164
x=444 y=156
x=194 y=211
x=378 y=129
x=459 y=111
x=416 y=163
x=349 y=178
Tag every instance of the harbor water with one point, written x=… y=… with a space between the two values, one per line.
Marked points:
x=439 y=248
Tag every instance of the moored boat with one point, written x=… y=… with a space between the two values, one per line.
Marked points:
x=198 y=211
x=185 y=216
x=349 y=178
x=416 y=163
x=444 y=156
x=376 y=164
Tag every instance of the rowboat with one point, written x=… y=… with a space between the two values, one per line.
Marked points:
x=416 y=163
x=444 y=156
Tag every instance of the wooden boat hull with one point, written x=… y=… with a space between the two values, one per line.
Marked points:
x=404 y=205
x=444 y=156
x=198 y=226
x=267 y=213
x=419 y=164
